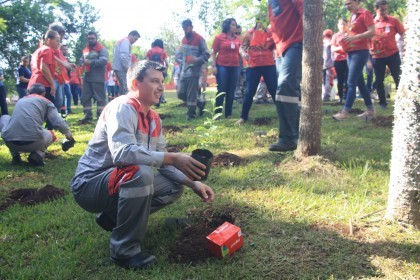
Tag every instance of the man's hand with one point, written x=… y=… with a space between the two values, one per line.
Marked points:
x=203 y=191
x=184 y=162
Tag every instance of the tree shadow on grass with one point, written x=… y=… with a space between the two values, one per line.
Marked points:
x=291 y=250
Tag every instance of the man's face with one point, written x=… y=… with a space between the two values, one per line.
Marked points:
x=133 y=39
x=91 y=40
x=382 y=10
x=350 y=5
x=150 y=89
x=187 y=29
x=64 y=50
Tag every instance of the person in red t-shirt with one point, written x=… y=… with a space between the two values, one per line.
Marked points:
x=43 y=64
x=226 y=67
x=356 y=44
x=384 y=48
x=340 y=58
x=257 y=48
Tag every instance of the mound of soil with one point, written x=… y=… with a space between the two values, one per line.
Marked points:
x=27 y=197
x=262 y=121
x=356 y=111
x=227 y=159
x=191 y=247
x=175 y=148
x=165 y=116
x=383 y=121
x=333 y=103
x=171 y=129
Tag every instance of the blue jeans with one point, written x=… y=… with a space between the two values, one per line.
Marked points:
x=288 y=93
x=75 y=91
x=68 y=96
x=227 y=78
x=393 y=62
x=356 y=61
x=253 y=76
x=59 y=96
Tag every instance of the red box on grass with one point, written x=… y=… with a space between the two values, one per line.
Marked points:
x=225 y=240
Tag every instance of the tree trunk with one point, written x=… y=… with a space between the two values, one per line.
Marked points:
x=404 y=196
x=310 y=116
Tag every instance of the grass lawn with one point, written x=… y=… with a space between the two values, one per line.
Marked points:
x=320 y=218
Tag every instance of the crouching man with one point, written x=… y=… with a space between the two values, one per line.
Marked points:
x=24 y=132
x=115 y=177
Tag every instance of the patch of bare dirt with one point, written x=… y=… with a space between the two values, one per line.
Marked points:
x=262 y=121
x=175 y=148
x=383 y=121
x=333 y=104
x=310 y=166
x=165 y=116
x=356 y=111
x=171 y=129
x=228 y=159
x=191 y=247
x=26 y=197
x=52 y=155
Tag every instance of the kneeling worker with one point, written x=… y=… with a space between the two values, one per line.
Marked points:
x=24 y=132
x=116 y=175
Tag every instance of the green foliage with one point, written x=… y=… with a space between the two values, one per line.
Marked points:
x=206 y=130
x=27 y=20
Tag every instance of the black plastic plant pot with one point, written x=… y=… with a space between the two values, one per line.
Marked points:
x=205 y=157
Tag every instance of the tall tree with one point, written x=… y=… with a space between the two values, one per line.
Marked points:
x=310 y=116
x=404 y=185
x=27 y=20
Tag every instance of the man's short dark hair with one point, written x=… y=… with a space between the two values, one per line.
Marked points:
x=186 y=22
x=56 y=26
x=36 y=88
x=380 y=2
x=134 y=33
x=138 y=70
x=93 y=33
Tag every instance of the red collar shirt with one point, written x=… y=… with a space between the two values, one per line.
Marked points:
x=359 y=24
x=384 y=43
x=339 y=55
x=259 y=45
x=227 y=50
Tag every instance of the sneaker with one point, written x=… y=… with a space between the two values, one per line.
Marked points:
x=367 y=115
x=341 y=116
x=190 y=117
x=85 y=121
x=383 y=106
x=240 y=122
x=16 y=160
x=326 y=98
x=282 y=147
x=139 y=261
x=35 y=159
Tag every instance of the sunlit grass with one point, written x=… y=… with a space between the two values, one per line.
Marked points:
x=295 y=215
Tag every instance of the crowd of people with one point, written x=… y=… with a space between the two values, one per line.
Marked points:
x=116 y=176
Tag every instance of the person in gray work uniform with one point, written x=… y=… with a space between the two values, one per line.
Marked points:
x=24 y=132
x=116 y=175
